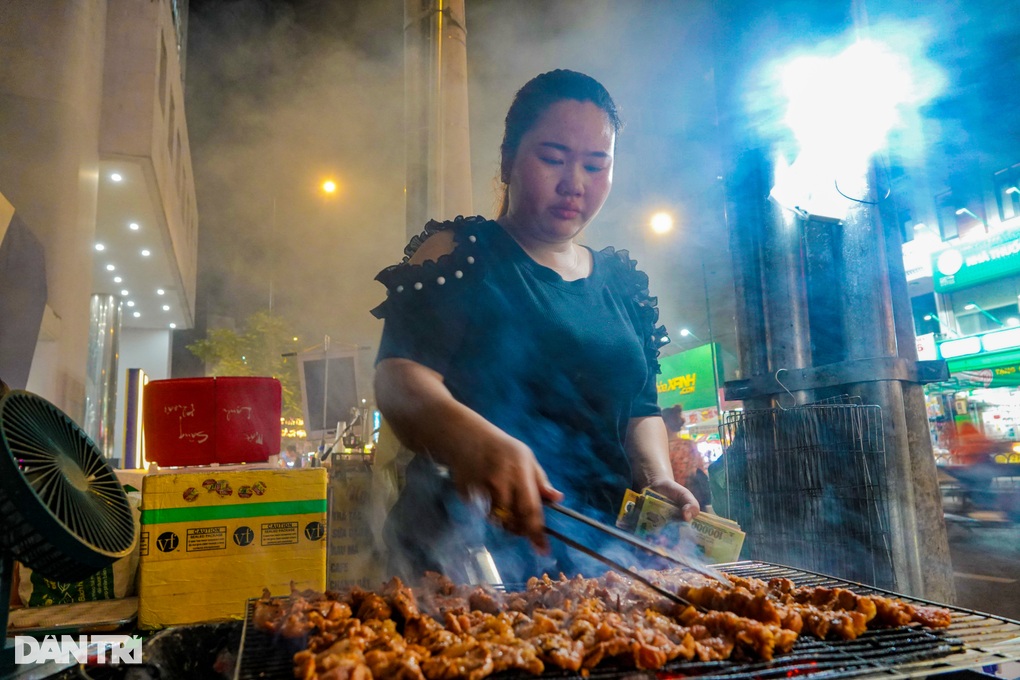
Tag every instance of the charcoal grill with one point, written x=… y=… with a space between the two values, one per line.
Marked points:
x=972 y=640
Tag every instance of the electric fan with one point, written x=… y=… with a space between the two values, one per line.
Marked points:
x=64 y=514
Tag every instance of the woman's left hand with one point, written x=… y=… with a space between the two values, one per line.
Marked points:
x=649 y=456
x=679 y=495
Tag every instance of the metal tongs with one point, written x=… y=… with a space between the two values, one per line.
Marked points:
x=636 y=542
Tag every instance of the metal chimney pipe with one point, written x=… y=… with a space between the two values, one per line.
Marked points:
x=438 y=151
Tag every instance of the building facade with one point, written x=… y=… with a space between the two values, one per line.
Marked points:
x=96 y=176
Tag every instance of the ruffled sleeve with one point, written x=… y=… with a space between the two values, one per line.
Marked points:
x=632 y=284
x=427 y=306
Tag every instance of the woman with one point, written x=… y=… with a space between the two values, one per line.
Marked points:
x=518 y=364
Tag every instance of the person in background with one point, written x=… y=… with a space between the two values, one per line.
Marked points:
x=290 y=457
x=689 y=466
x=518 y=364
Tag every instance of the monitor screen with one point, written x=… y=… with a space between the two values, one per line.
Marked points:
x=337 y=388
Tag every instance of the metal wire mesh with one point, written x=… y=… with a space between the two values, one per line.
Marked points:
x=806 y=484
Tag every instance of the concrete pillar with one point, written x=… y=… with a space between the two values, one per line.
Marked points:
x=438 y=152
x=101 y=381
x=50 y=102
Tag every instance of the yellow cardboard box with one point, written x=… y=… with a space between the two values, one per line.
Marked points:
x=213 y=537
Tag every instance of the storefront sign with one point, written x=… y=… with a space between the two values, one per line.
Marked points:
x=687 y=378
x=968 y=264
x=927 y=350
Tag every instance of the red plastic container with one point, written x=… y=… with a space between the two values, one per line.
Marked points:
x=200 y=421
x=247 y=419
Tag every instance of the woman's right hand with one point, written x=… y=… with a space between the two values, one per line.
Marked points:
x=482 y=458
x=505 y=470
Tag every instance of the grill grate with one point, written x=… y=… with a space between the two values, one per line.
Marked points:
x=972 y=640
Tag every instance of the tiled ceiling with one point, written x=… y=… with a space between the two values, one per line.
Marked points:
x=121 y=265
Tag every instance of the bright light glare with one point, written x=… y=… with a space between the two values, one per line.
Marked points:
x=166 y=308
x=100 y=247
x=110 y=267
x=970 y=307
x=116 y=177
x=173 y=325
x=160 y=291
x=329 y=186
x=130 y=303
x=146 y=253
x=117 y=279
x=125 y=292
x=684 y=332
x=136 y=314
x=133 y=226
x=662 y=223
x=840 y=109
x=831 y=109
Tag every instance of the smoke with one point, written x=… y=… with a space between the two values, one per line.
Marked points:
x=280 y=97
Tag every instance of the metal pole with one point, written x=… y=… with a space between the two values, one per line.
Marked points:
x=101 y=375
x=437 y=146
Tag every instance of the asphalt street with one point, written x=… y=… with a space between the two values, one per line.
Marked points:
x=986 y=565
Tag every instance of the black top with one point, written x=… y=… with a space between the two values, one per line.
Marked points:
x=560 y=365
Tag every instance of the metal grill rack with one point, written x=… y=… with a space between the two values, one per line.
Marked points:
x=973 y=640
x=805 y=485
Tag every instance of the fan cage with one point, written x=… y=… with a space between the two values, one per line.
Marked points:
x=67 y=515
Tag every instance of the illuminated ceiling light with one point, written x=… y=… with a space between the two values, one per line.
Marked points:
x=117 y=279
x=928 y=317
x=166 y=308
x=329 y=186
x=1012 y=190
x=970 y=306
x=173 y=325
x=146 y=252
x=124 y=292
x=100 y=247
x=661 y=223
x=959 y=348
x=136 y=314
x=130 y=303
x=295 y=338
x=133 y=226
x=116 y=177
x=160 y=291
x=110 y=267
x=686 y=333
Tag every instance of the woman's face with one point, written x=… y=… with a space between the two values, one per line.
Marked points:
x=562 y=172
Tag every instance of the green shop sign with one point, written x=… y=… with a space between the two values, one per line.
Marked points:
x=687 y=378
x=1001 y=369
x=968 y=264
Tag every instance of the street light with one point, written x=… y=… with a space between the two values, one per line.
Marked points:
x=661 y=223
